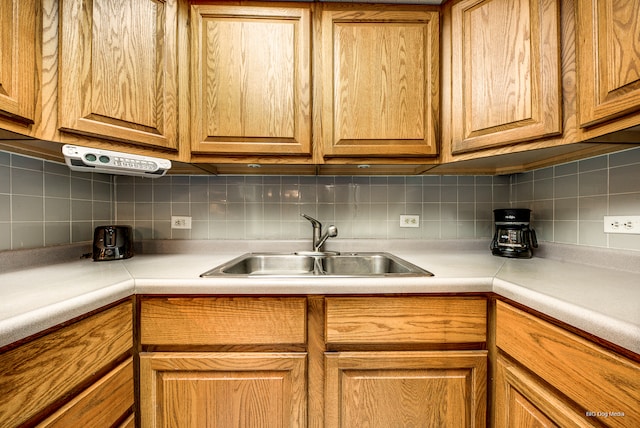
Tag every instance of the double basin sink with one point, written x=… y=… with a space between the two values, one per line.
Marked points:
x=316 y=264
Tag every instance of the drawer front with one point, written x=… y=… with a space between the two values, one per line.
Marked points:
x=598 y=380
x=405 y=320
x=223 y=321
x=101 y=405
x=42 y=372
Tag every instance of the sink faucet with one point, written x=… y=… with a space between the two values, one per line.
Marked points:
x=318 y=238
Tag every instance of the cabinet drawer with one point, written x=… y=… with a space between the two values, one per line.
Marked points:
x=223 y=321
x=44 y=371
x=596 y=379
x=405 y=320
x=101 y=405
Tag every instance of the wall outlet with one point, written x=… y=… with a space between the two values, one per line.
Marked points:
x=622 y=224
x=180 y=222
x=409 y=220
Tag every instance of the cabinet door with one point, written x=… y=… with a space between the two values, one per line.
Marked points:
x=380 y=82
x=101 y=405
x=505 y=72
x=417 y=389
x=596 y=379
x=251 y=89
x=18 y=60
x=523 y=402
x=609 y=54
x=223 y=389
x=118 y=71
x=40 y=374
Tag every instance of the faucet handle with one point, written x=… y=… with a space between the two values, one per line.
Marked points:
x=313 y=221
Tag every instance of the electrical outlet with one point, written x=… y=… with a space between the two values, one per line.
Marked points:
x=409 y=220
x=180 y=222
x=622 y=224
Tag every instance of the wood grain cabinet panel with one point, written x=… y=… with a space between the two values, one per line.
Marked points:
x=223 y=321
x=608 y=59
x=380 y=82
x=118 y=71
x=251 y=73
x=18 y=61
x=101 y=405
x=524 y=402
x=506 y=81
x=223 y=389
x=405 y=320
x=595 y=379
x=416 y=389
x=42 y=372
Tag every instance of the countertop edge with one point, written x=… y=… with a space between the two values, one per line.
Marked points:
x=511 y=280
x=38 y=320
x=318 y=286
x=605 y=327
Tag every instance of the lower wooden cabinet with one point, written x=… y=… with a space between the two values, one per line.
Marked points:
x=335 y=361
x=396 y=366
x=100 y=405
x=375 y=361
x=406 y=389
x=67 y=377
x=571 y=376
x=223 y=362
x=313 y=361
x=239 y=389
x=523 y=401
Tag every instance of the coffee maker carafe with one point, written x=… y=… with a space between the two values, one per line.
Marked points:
x=513 y=237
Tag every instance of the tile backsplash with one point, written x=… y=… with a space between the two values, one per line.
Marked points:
x=269 y=207
x=569 y=201
x=42 y=203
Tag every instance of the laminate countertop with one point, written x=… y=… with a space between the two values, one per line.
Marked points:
x=601 y=301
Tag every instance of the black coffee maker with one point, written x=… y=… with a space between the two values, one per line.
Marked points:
x=513 y=237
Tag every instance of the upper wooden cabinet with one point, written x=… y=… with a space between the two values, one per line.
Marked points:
x=118 y=71
x=380 y=81
x=608 y=58
x=18 y=62
x=505 y=68
x=250 y=80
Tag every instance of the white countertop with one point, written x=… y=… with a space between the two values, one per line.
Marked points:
x=602 y=302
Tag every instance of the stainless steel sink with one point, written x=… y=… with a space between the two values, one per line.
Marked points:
x=317 y=264
x=364 y=264
x=267 y=264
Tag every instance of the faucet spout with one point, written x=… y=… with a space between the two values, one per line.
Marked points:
x=318 y=238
